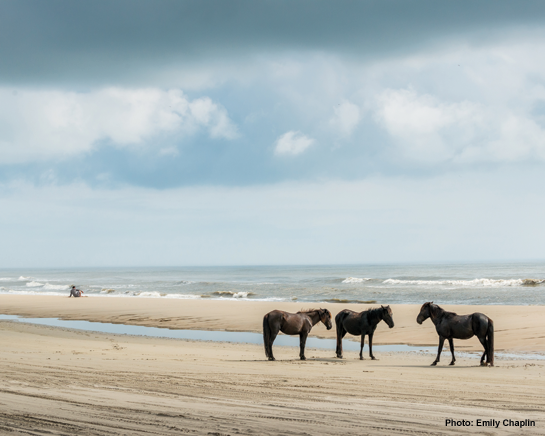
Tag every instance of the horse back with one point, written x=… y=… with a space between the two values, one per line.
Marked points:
x=342 y=315
x=354 y=323
x=456 y=326
x=295 y=323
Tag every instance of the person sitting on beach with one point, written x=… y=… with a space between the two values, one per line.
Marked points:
x=75 y=292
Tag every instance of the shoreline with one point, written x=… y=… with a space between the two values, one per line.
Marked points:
x=518 y=328
x=379 y=349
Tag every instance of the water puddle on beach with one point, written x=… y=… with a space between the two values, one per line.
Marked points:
x=245 y=337
x=207 y=335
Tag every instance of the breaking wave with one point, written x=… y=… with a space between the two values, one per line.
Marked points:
x=55 y=287
x=240 y=294
x=355 y=280
x=34 y=284
x=491 y=283
x=149 y=294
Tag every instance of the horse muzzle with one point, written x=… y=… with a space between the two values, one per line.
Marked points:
x=419 y=320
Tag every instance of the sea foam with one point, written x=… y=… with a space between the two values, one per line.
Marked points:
x=493 y=283
x=240 y=294
x=355 y=280
x=55 y=287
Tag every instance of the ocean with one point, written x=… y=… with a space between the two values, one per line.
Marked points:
x=492 y=283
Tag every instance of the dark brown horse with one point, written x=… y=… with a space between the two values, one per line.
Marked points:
x=362 y=323
x=299 y=323
x=451 y=326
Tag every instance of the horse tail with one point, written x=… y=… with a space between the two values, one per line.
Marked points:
x=266 y=334
x=490 y=335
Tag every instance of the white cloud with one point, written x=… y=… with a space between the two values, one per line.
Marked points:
x=346 y=118
x=53 y=124
x=429 y=130
x=292 y=143
x=451 y=216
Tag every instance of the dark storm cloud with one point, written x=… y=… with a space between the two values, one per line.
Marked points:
x=111 y=41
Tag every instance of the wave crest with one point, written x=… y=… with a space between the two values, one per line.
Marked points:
x=355 y=280
x=240 y=294
x=492 y=283
x=56 y=287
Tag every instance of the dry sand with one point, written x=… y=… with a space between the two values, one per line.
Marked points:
x=59 y=381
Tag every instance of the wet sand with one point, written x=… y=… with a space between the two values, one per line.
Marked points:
x=60 y=381
x=517 y=328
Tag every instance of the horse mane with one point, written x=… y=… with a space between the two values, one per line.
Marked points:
x=308 y=310
x=374 y=310
x=438 y=310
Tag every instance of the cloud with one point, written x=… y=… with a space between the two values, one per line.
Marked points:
x=429 y=130
x=139 y=39
x=45 y=124
x=292 y=143
x=346 y=118
x=470 y=216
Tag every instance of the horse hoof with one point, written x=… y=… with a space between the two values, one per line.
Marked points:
x=373 y=358
x=339 y=357
x=434 y=364
x=271 y=359
x=361 y=358
x=483 y=364
x=303 y=358
x=451 y=363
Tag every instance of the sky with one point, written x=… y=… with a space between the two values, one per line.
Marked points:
x=163 y=133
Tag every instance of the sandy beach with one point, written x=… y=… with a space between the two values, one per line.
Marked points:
x=61 y=381
x=517 y=328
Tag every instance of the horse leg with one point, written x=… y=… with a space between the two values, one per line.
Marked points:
x=302 y=342
x=484 y=343
x=362 y=344
x=439 y=349
x=274 y=334
x=371 y=346
x=451 y=345
x=341 y=332
x=266 y=335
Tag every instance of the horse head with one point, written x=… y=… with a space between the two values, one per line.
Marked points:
x=325 y=317
x=425 y=312
x=387 y=316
